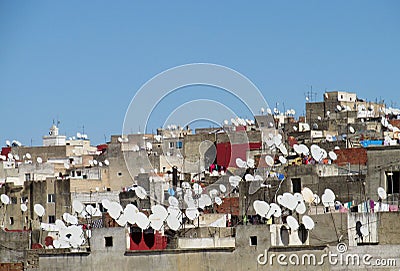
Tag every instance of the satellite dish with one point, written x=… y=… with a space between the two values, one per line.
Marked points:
x=295 y=128
x=234 y=181
x=222 y=188
x=332 y=155
x=269 y=111
x=261 y=207
x=249 y=177
x=39 y=160
x=60 y=224
x=316 y=200
x=24 y=208
x=173 y=201
x=250 y=162
x=77 y=206
x=218 y=200
x=39 y=210
x=307 y=194
x=364 y=230
x=274 y=210
x=173 y=223
x=8 y=143
x=142 y=221
x=382 y=193
x=338 y=108
x=292 y=223
x=192 y=213
x=304 y=149
x=140 y=192
x=226 y=122
x=282 y=160
x=351 y=129
x=328 y=198
x=283 y=149
x=121 y=220
x=240 y=163
x=5 y=199
x=308 y=222
x=262 y=109
x=269 y=160
x=106 y=203
x=115 y=210
x=159 y=211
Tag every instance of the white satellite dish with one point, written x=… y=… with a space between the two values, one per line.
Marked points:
x=173 y=223
x=159 y=211
x=240 y=163
x=382 y=193
x=269 y=160
x=140 y=192
x=338 y=108
x=197 y=189
x=316 y=200
x=222 y=188
x=218 y=200
x=60 y=225
x=106 y=203
x=192 y=213
x=261 y=207
x=77 y=206
x=249 y=177
x=226 y=122
x=308 y=222
x=156 y=222
x=364 y=230
x=39 y=210
x=304 y=149
x=282 y=160
x=121 y=220
x=106 y=162
x=328 y=198
x=292 y=223
x=283 y=149
x=274 y=210
x=351 y=129
x=39 y=160
x=250 y=162
x=24 y=208
x=115 y=210
x=234 y=181
x=142 y=221
x=308 y=195
x=8 y=143
x=295 y=128
x=173 y=201
x=332 y=155
x=5 y=199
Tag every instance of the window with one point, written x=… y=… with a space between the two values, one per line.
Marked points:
x=296 y=184
x=51 y=198
x=52 y=219
x=27 y=177
x=179 y=145
x=108 y=241
x=171 y=145
x=14 y=200
x=11 y=220
x=253 y=240
x=392 y=182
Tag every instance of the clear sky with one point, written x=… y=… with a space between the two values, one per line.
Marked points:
x=81 y=62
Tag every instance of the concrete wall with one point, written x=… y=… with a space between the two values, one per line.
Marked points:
x=13 y=246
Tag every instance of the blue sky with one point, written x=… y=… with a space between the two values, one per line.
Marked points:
x=83 y=61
